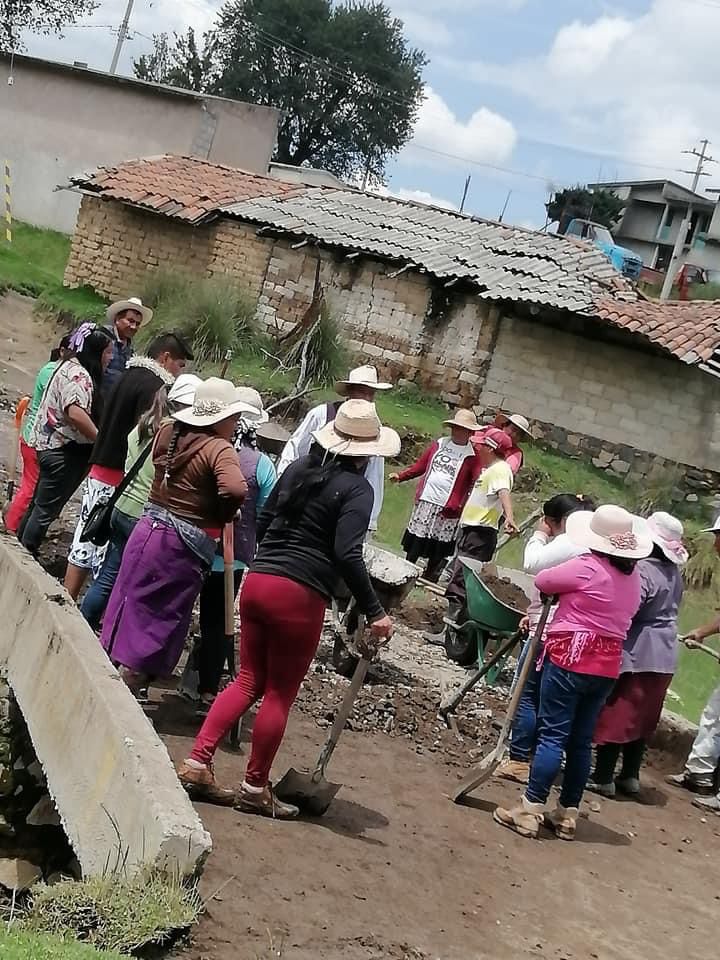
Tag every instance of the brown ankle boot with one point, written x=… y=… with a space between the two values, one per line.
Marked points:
x=524 y=818
x=563 y=821
x=266 y=804
x=202 y=785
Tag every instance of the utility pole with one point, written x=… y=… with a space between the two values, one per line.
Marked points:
x=671 y=272
x=465 y=193
x=122 y=36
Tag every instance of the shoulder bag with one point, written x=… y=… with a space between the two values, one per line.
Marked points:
x=97 y=525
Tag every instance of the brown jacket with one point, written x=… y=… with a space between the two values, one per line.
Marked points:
x=206 y=485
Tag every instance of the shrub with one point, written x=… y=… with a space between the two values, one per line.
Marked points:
x=214 y=315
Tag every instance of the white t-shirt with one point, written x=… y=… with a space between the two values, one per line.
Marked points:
x=483 y=508
x=443 y=471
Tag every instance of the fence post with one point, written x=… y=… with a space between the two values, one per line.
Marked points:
x=8 y=204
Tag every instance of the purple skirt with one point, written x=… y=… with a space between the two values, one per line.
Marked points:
x=148 y=615
x=632 y=711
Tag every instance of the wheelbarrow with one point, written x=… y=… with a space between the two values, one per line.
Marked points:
x=392 y=578
x=492 y=627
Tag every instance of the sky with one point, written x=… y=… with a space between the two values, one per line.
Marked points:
x=523 y=96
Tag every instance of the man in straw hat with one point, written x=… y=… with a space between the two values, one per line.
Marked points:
x=700 y=774
x=361 y=384
x=124 y=319
x=599 y=594
x=311 y=531
x=428 y=533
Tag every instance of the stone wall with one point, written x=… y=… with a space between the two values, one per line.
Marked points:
x=630 y=411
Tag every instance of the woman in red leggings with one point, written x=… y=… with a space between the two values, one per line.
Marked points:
x=311 y=532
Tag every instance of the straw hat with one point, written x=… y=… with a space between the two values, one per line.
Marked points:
x=183 y=390
x=356 y=431
x=610 y=530
x=519 y=421
x=715 y=528
x=361 y=377
x=251 y=396
x=134 y=303
x=215 y=400
x=667 y=532
x=465 y=419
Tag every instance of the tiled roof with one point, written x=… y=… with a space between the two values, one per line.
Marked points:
x=503 y=262
x=182 y=187
x=690 y=330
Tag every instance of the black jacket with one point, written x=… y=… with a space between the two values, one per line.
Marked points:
x=325 y=542
x=131 y=396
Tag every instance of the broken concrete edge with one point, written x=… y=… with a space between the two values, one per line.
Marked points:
x=108 y=772
x=674 y=736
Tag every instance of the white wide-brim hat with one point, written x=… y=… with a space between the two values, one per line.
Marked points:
x=183 y=389
x=361 y=377
x=667 y=533
x=610 y=530
x=356 y=431
x=215 y=400
x=519 y=421
x=715 y=528
x=250 y=395
x=465 y=419
x=133 y=303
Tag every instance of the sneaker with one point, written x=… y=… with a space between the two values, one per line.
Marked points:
x=265 y=804
x=708 y=804
x=563 y=822
x=525 y=818
x=201 y=784
x=516 y=770
x=603 y=789
x=703 y=786
x=630 y=786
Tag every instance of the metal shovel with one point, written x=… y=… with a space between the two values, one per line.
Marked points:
x=311 y=792
x=489 y=763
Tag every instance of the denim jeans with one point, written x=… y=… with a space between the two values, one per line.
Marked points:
x=570 y=704
x=524 y=728
x=98 y=594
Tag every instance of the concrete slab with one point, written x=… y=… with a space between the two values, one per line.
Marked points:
x=107 y=770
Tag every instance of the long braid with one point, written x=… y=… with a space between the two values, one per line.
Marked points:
x=171 y=452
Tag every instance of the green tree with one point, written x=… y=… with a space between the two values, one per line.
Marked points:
x=38 y=16
x=343 y=76
x=600 y=206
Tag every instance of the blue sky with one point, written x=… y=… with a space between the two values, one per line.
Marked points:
x=554 y=92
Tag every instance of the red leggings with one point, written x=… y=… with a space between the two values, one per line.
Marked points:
x=281 y=622
x=25 y=492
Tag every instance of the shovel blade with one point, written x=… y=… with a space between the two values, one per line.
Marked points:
x=312 y=796
x=478 y=775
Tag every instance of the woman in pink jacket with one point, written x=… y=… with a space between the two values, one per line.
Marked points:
x=429 y=534
x=599 y=594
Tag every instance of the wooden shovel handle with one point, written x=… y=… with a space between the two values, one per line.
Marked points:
x=229 y=571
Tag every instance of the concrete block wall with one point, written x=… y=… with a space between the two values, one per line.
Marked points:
x=114 y=247
x=605 y=391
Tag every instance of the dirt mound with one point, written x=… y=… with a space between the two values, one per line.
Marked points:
x=506 y=592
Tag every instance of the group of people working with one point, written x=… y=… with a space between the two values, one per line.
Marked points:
x=176 y=459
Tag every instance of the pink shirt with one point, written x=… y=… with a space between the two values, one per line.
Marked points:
x=596 y=606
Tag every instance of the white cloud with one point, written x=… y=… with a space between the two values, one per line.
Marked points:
x=422 y=196
x=485 y=136
x=642 y=88
x=425 y=30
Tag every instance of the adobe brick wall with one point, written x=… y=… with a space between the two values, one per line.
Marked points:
x=630 y=400
x=115 y=245
x=630 y=412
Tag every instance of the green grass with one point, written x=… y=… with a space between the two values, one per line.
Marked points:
x=15 y=945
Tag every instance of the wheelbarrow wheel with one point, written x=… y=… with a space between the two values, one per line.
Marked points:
x=343 y=661
x=461 y=645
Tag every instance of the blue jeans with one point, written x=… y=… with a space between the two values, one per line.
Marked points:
x=570 y=704
x=98 y=594
x=522 y=738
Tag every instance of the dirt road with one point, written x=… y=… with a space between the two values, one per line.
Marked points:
x=396 y=871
